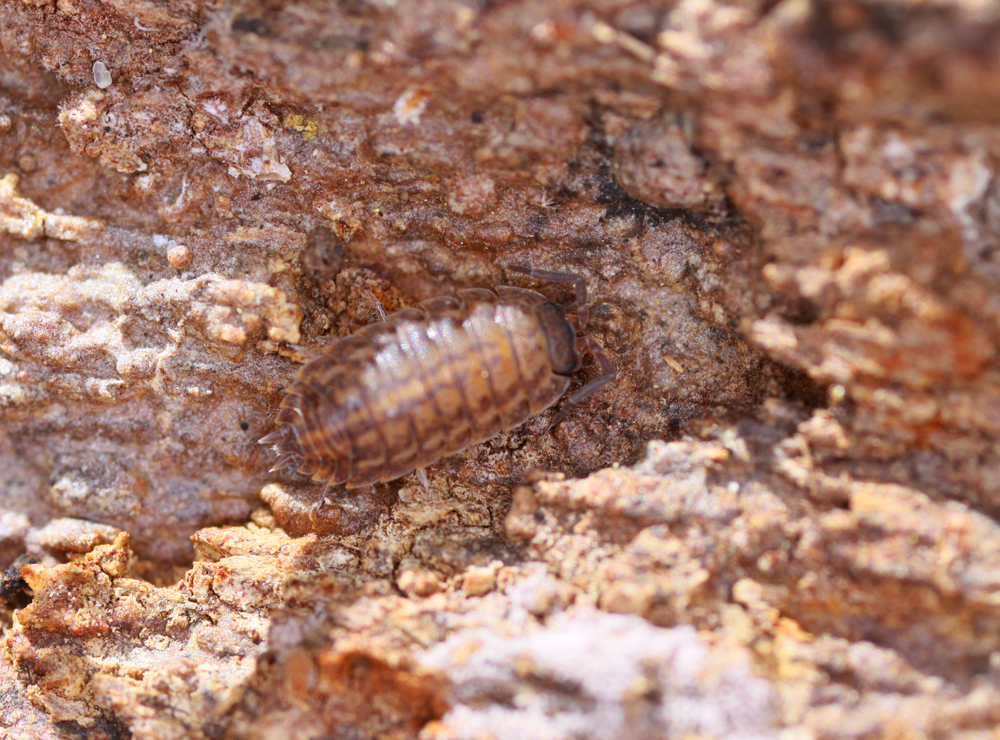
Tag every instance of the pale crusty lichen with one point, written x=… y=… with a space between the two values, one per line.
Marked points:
x=20 y=217
x=40 y=315
x=92 y=128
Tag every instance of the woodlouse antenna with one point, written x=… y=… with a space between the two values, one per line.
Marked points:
x=609 y=372
x=579 y=284
x=274 y=438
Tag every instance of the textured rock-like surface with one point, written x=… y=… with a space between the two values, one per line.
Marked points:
x=787 y=214
x=242 y=184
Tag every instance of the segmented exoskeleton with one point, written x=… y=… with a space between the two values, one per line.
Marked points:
x=429 y=381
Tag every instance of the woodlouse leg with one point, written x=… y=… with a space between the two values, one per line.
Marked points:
x=423 y=478
x=323 y=500
x=379 y=308
x=579 y=284
x=277 y=439
x=285 y=461
x=309 y=353
x=272 y=438
x=588 y=345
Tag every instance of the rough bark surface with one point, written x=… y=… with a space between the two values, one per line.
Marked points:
x=779 y=522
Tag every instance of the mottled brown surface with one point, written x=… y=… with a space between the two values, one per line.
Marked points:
x=787 y=214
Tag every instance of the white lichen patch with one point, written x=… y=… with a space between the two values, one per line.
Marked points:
x=612 y=669
x=245 y=142
x=266 y=164
x=254 y=304
x=107 y=328
x=93 y=127
x=21 y=217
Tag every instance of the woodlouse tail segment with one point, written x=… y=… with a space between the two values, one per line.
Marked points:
x=588 y=345
x=552 y=276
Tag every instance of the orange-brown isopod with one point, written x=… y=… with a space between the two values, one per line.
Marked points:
x=429 y=381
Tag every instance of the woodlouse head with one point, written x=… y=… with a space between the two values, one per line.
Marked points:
x=560 y=339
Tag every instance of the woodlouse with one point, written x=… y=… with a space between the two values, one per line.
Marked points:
x=430 y=381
